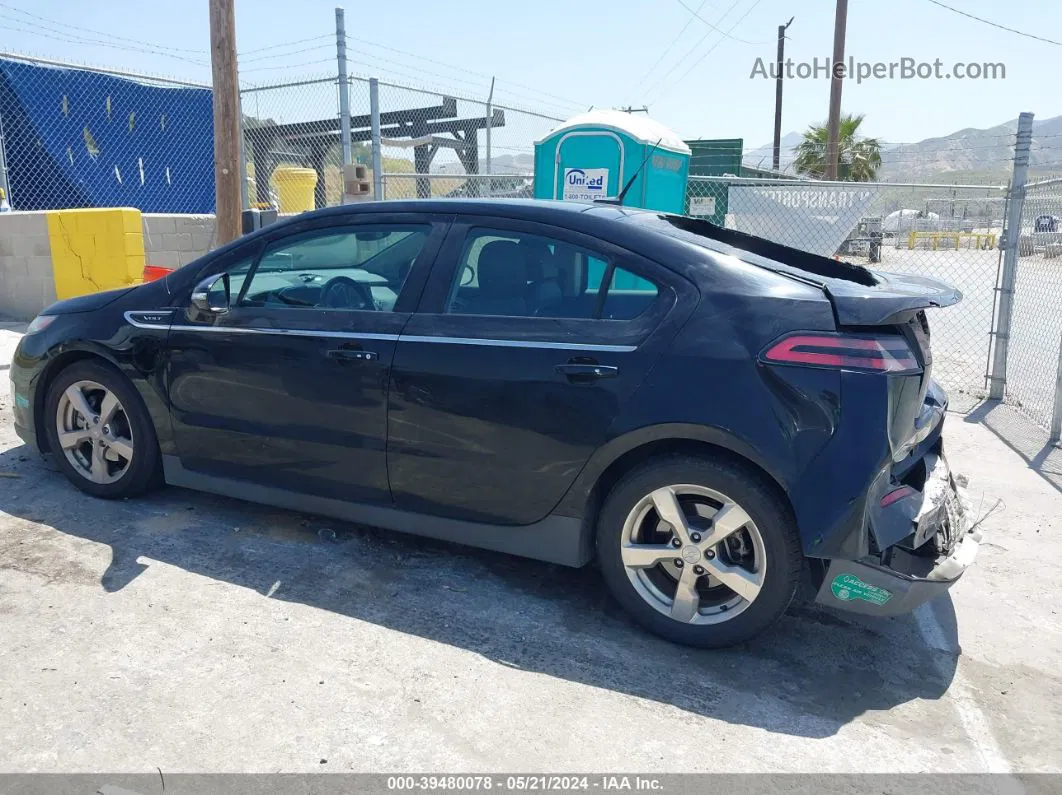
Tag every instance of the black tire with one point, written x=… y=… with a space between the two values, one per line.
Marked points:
x=764 y=506
x=145 y=467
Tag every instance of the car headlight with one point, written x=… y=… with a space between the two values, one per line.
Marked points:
x=40 y=323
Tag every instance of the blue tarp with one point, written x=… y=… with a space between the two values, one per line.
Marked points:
x=75 y=138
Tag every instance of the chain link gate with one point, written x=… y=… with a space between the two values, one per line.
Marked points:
x=1034 y=369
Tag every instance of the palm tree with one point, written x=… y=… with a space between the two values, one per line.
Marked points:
x=860 y=157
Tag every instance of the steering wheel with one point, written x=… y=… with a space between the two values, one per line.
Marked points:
x=342 y=292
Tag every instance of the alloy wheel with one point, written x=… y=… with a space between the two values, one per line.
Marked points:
x=94 y=432
x=693 y=554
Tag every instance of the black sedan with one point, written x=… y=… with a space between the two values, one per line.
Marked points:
x=707 y=414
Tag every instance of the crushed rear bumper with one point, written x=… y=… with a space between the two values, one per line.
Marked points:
x=940 y=547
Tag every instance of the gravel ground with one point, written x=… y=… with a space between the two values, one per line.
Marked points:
x=194 y=633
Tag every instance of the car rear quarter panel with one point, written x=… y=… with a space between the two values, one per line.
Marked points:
x=787 y=420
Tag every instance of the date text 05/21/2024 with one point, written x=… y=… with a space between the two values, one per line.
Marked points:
x=521 y=783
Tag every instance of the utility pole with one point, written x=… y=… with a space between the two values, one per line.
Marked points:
x=776 y=157
x=227 y=122
x=833 y=124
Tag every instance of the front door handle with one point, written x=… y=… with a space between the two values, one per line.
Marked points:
x=347 y=355
x=584 y=373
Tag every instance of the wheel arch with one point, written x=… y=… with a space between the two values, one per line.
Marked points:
x=625 y=453
x=56 y=364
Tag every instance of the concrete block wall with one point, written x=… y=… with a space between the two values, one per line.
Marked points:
x=172 y=240
x=27 y=282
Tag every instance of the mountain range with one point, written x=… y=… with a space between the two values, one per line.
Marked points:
x=965 y=155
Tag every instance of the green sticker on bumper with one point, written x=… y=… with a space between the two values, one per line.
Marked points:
x=847 y=587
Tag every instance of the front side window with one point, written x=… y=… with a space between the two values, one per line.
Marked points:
x=358 y=268
x=517 y=274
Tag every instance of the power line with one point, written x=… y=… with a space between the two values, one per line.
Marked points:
x=70 y=38
x=363 y=43
x=996 y=24
x=692 y=49
x=283 y=54
x=82 y=29
x=289 y=66
x=674 y=41
x=713 y=27
x=288 y=43
x=440 y=85
x=716 y=44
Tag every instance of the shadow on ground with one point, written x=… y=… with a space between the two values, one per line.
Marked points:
x=1023 y=436
x=811 y=675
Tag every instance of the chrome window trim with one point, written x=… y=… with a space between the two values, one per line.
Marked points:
x=353 y=335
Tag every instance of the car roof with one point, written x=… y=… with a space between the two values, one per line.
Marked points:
x=530 y=209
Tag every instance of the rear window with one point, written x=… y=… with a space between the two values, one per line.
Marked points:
x=704 y=234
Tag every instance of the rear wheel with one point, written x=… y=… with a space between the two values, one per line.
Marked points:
x=100 y=433
x=699 y=552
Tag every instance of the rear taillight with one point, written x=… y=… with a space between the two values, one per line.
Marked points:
x=896 y=495
x=844 y=352
x=153 y=272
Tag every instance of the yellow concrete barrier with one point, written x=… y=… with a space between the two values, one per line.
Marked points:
x=95 y=249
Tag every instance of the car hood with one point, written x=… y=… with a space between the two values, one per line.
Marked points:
x=86 y=303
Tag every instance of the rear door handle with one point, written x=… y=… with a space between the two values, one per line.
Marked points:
x=345 y=354
x=586 y=372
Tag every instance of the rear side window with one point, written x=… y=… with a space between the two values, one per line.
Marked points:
x=626 y=295
x=517 y=274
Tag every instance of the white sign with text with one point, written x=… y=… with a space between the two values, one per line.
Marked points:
x=585 y=184
x=702 y=205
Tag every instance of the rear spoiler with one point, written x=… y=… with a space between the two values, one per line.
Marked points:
x=860 y=296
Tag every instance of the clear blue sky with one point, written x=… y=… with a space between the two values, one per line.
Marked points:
x=564 y=55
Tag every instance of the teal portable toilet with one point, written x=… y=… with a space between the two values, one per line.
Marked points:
x=592 y=156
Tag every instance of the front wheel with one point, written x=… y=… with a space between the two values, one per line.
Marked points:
x=100 y=433
x=698 y=551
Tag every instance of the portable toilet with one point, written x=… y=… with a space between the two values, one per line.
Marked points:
x=592 y=156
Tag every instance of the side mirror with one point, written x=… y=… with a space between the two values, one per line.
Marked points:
x=207 y=298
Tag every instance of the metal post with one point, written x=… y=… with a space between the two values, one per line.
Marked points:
x=245 y=200
x=1056 y=412
x=344 y=85
x=3 y=166
x=490 y=123
x=1011 y=245
x=374 y=123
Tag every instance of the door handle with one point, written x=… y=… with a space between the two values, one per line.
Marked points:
x=347 y=355
x=582 y=372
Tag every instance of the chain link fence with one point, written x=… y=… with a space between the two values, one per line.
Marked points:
x=83 y=137
x=470 y=148
x=431 y=144
x=1033 y=366
x=87 y=137
x=291 y=144
x=949 y=232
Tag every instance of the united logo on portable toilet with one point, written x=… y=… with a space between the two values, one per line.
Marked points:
x=585 y=184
